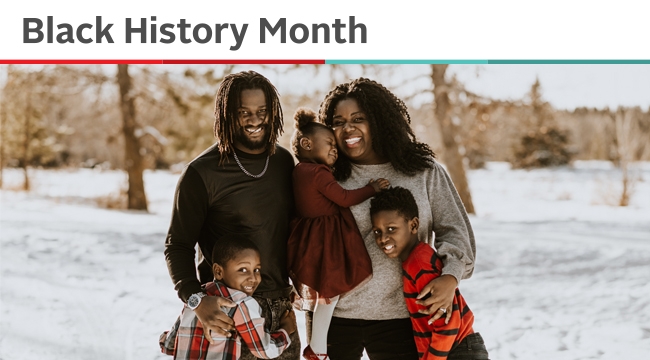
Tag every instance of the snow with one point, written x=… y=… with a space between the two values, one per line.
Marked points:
x=561 y=273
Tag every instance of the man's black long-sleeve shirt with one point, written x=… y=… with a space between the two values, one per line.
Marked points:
x=212 y=200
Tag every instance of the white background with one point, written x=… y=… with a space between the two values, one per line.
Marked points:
x=408 y=29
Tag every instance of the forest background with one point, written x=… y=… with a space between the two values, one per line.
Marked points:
x=160 y=117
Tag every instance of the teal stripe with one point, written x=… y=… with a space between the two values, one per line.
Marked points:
x=401 y=62
x=580 y=62
x=509 y=62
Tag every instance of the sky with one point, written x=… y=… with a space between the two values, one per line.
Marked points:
x=564 y=86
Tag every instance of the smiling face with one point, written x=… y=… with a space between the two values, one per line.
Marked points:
x=395 y=234
x=320 y=147
x=352 y=133
x=253 y=128
x=242 y=272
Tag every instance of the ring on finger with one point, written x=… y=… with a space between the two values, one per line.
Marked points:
x=444 y=310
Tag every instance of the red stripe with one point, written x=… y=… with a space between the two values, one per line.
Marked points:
x=246 y=61
x=153 y=62
x=80 y=62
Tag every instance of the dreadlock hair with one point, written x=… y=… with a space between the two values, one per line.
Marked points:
x=227 y=247
x=228 y=101
x=395 y=199
x=305 y=124
x=390 y=127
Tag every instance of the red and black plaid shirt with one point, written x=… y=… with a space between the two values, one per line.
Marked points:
x=186 y=340
x=436 y=340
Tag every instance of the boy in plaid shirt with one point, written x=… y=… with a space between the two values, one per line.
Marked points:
x=237 y=274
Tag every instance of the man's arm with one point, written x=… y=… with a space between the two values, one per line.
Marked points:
x=188 y=215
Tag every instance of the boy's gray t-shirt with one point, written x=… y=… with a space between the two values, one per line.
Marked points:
x=440 y=211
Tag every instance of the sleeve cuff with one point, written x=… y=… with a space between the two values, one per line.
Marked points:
x=454 y=268
x=186 y=291
x=286 y=335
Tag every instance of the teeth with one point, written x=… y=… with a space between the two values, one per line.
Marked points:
x=254 y=131
x=353 y=140
x=389 y=247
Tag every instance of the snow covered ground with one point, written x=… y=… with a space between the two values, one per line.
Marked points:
x=560 y=273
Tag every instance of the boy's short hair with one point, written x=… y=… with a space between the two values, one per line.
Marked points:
x=395 y=199
x=227 y=247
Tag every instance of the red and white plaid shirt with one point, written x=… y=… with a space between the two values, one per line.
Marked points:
x=186 y=340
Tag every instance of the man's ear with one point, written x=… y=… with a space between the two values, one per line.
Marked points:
x=217 y=271
x=414 y=225
x=305 y=143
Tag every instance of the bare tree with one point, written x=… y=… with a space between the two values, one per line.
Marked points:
x=3 y=119
x=21 y=123
x=626 y=121
x=137 y=199
x=450 y=137
x=27 y=140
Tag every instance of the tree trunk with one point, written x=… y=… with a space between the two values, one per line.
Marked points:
x=3 y=117
x=27 y=141
x=137 y=199
x=623 y=147
x=452 y=157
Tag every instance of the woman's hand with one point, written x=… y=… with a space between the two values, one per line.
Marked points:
x=212 y=318
x=440 y=303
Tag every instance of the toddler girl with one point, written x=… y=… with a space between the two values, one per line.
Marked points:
x=326 y=253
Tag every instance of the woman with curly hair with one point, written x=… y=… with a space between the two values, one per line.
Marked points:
x=375 y=140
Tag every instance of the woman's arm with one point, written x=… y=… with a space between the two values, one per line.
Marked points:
x=454 y=241
x=454 y=238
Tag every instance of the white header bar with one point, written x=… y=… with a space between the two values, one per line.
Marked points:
x=333 y=29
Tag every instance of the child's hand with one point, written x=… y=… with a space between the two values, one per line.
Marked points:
x=288 y=322
x=379 y=184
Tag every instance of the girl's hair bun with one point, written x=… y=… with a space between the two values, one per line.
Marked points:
x=304 y=116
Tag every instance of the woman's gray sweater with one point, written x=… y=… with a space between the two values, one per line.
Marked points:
x=441 y=212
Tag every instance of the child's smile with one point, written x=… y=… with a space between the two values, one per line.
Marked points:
x=323 y=147
x=242 y=272
x=395 y=235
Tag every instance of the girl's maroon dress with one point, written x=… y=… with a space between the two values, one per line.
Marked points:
x=325 y=250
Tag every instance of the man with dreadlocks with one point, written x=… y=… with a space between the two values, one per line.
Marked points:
x=241 y=185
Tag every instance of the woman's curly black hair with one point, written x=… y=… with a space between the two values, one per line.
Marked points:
x=228 y=101
x=390 y=127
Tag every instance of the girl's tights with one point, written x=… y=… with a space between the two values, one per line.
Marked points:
x=320 y=324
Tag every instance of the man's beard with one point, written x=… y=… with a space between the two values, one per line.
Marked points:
x=242 y=138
